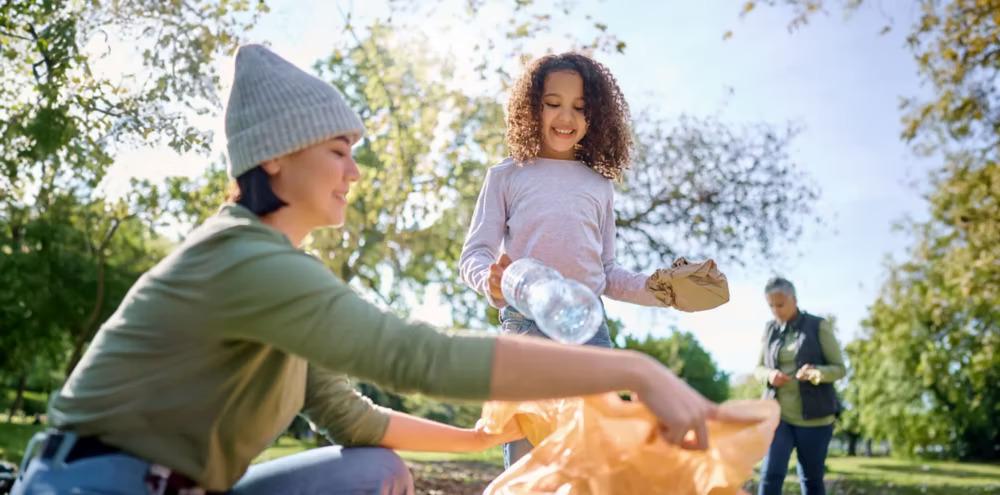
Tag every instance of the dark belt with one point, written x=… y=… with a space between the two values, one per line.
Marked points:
x=85 y=447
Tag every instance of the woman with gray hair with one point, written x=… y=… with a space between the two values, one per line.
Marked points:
x=799 y=361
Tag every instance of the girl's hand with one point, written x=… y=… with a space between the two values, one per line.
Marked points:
x=496 y=275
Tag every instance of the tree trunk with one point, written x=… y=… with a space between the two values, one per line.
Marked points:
x=22 y=381
x=852 y=444
x=868 y=448
x=89 y=326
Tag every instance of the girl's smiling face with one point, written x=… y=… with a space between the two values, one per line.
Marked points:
x=563 y=123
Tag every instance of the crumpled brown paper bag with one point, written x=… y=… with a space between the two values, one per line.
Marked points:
x=690 y=286
x=602 y=445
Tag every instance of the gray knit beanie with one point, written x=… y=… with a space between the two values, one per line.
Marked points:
x=275 y=109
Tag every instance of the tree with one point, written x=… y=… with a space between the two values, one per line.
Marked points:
x=422 y=159
x=927 y=365
x=61 y=122
x=849 y=423
x=47 y=306
x=701 y=188
x=684 y=355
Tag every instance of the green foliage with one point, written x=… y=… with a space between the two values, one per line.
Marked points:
x=747 y=387
x=684 y=355
x=463 y=415
x=54 y=270
x=423 y=160
x=933 y=332
x=32 y=402
x=70 y=253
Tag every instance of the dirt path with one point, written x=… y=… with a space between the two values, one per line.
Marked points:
x=452 y=478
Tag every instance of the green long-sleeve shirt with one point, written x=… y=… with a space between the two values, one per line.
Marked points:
x=788 y=395
x=204 y=363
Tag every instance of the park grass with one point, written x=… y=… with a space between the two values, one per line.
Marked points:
x=14 y=438
x=916 y=472
x=886 y=475
x=287 y=445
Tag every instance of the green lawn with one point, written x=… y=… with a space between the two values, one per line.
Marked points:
x=884 y=475
x=14 y=438
x=288 y=445
x=904 y=472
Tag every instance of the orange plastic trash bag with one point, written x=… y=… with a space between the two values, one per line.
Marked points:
x=601 y=445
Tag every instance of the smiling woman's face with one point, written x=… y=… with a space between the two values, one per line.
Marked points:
x=315 y=181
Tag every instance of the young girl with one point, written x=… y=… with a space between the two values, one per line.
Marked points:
x=553 y=199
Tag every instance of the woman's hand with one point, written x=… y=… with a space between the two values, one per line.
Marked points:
x=777 y=378
x=407 y=432
x=526 y=368
x=511 y=432
x=496 y=275
x=679 y=408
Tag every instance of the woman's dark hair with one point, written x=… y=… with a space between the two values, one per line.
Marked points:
x=252 y=190
x=605 y=147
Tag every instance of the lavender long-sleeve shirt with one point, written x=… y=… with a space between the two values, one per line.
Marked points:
x=559 y=212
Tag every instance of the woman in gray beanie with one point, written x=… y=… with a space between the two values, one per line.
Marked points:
x=214 y=351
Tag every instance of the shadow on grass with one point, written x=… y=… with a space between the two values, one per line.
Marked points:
x=918 y=469
x=882 y=487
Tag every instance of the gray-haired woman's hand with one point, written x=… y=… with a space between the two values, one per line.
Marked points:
x=777 y=378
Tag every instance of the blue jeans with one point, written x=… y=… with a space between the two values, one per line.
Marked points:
x=513 y=322
x=810 y=444
x=368 y=470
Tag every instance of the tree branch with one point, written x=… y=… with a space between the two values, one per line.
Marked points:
x=42 y=52
x=17 y=36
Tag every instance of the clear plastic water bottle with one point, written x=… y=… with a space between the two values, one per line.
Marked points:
x=566 y=310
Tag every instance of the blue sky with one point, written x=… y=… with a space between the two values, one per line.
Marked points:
x=839 y=80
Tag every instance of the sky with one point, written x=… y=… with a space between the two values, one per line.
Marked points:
x=837 y=79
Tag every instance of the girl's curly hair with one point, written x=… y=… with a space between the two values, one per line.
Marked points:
x=608 y=142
